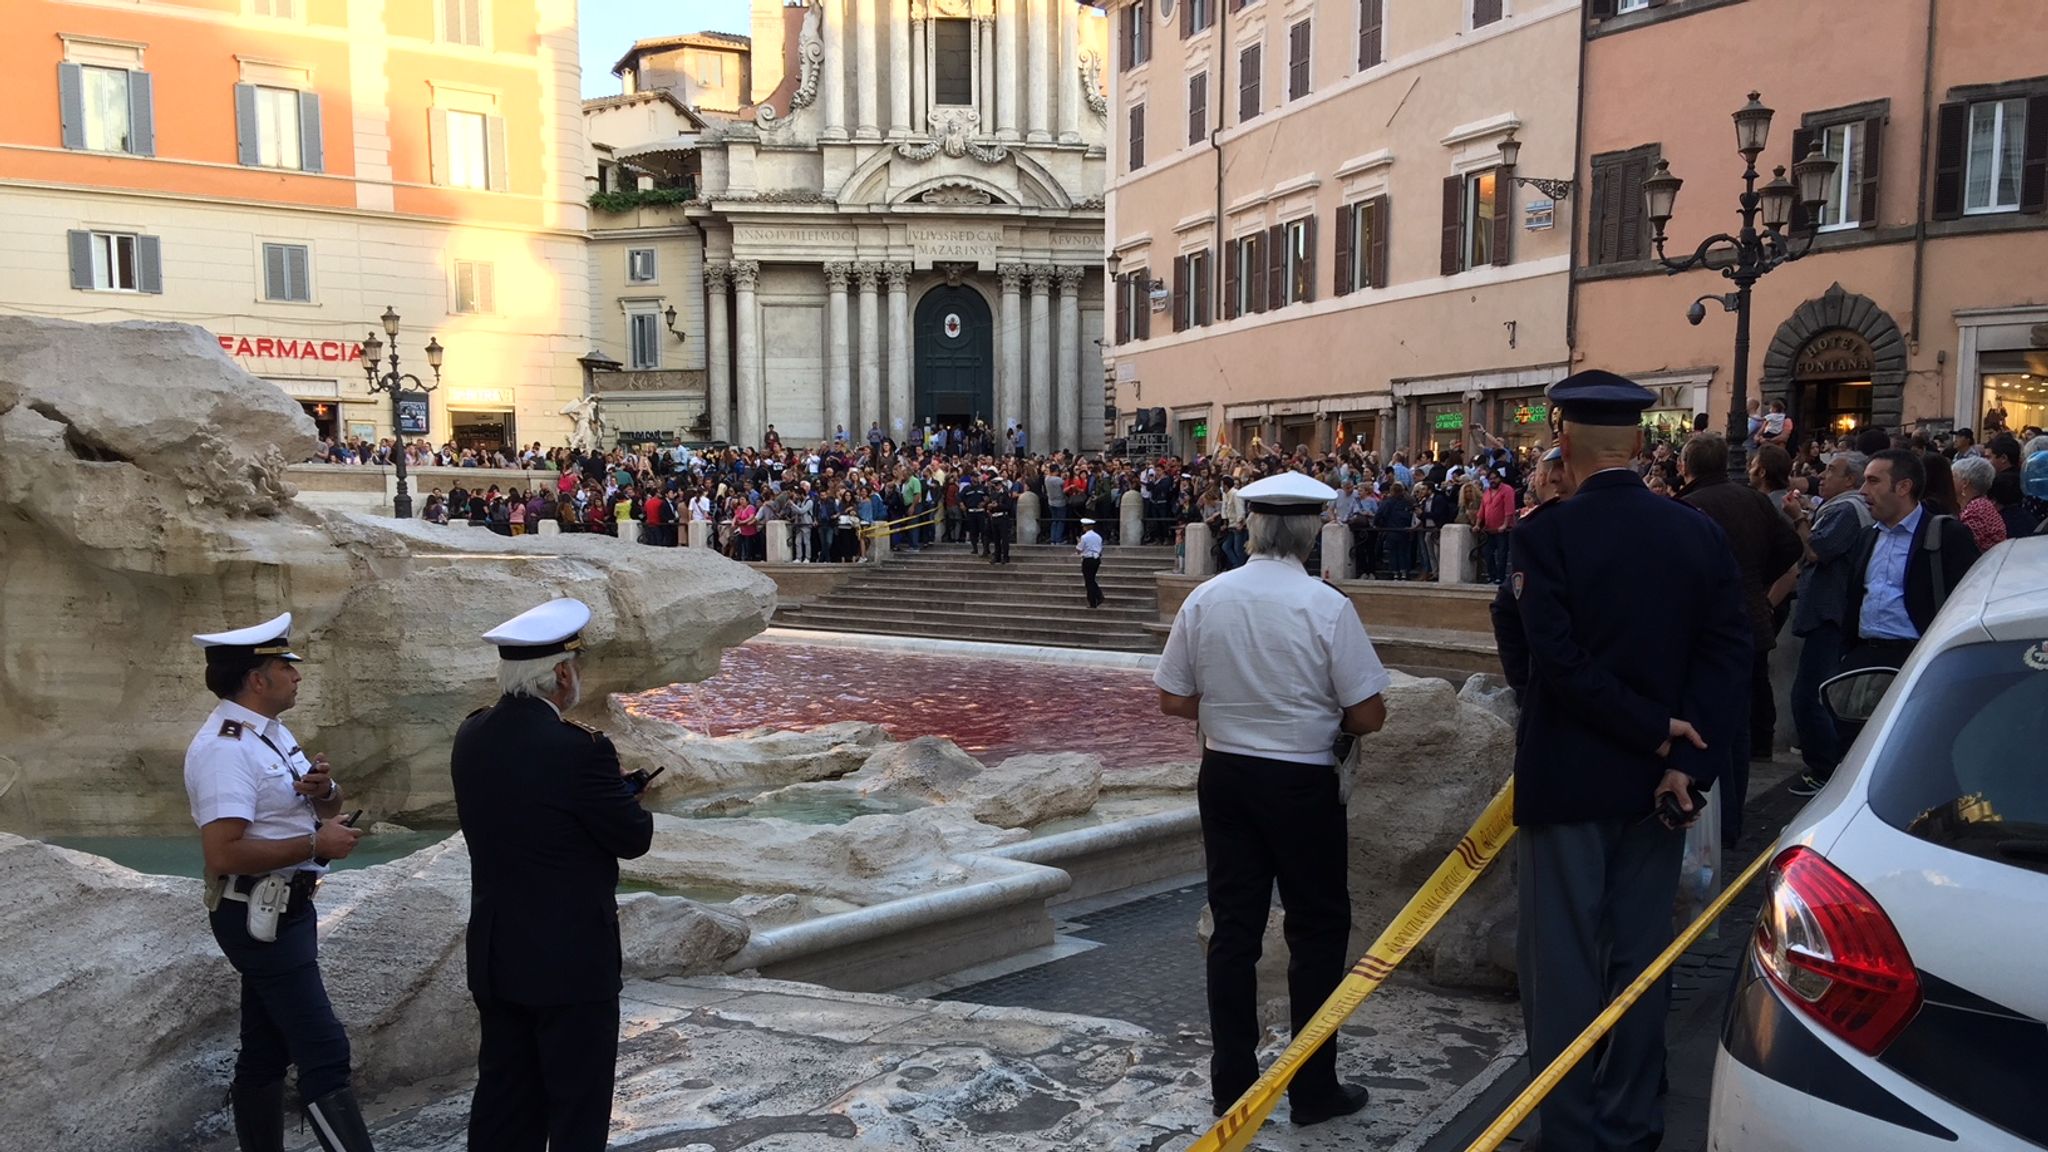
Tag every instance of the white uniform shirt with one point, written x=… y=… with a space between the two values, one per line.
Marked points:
x=1276 y=655
x=240 y=777
x=1090 y=545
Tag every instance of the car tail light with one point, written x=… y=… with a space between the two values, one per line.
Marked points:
x=1834 y=953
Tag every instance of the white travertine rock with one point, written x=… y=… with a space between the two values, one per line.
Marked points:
x=1024 y=791
x=134 y=516
x=928 y=768
x=758 y=758
x=670 y=936
x=1152 y=778
x=1021 y=792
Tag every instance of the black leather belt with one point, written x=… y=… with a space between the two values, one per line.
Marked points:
x=304 y=884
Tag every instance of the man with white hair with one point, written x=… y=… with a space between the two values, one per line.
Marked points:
x=1276 y=668
x=548 y=813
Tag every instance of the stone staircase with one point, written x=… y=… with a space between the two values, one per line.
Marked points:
x=1037 y=599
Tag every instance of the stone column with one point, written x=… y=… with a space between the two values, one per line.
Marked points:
x=1035 y=23
x=1007 y=15
x=1066 y=89
x=900 y=414
x=865 y=66
x=1038 y=426
x=838 y=356
x=833 y=16
x=1068 y=410
x=865 y=277
x=1010 y=384
x=900 y=87
x=920 y=80
x=717 y=353
x=985 y=69
x=747 y=336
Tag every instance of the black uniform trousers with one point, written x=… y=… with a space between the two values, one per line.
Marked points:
x=975 y=520
x=999 y=536
x=1090 y=565
x=1265 y=821
x=544 y=1076
x=1595 y=910
x=286 y=1017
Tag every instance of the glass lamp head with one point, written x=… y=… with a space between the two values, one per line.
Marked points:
x=1752 y=128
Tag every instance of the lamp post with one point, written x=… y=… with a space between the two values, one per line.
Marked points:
x=1749 y=254
x=394 y=382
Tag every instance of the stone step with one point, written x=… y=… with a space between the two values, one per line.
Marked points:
x=1126 y=611
x=1036 y=637
x=1063 y=559
x=971 y=621
x=998 y=581
x=967 y=613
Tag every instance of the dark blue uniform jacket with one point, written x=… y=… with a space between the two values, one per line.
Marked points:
x=1631 y=604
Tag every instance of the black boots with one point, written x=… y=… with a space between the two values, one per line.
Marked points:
x=337 y=1122
x=259 y=1116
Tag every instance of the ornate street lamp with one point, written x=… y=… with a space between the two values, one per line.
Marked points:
x=1762 y=244
x=395 y=383
x=1511 y=151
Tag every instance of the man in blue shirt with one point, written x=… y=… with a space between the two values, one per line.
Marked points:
x=1911 y=561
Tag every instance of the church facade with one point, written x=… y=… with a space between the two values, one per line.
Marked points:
x=905 y=228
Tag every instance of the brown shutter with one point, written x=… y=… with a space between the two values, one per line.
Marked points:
x=1343 y=233
x=1256 y=265
x=1372 y=22
x=1873 y=171
x=1631 y=238
x=1602 y=216
x=1180 y=292
x=1137 y=137
x=1305 y=272
x=1141 y=305
x=1276 y=266
x=1485 y=12
x=1123 y=310
x=2034 y=160
x=1205 y=285
x=1198 y=107
x=1599 y=9
x=1952 y=136
x=1376 y=247
x=1123 y=39
x=1454 y=225
x=1230 y=279
x=1187 y=19
x=1802 y=143
x=1503 y=215
x=1298 y=75
x=1248 y=67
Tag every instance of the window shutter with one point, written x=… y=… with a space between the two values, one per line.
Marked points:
x=1453 y=261
x=1142 y=289
x=276 y=279
x=1631 y=238
x=1187 y=18
x=1276 y=266
x=71 y=108
x=298 y=274
x=1485 y=12
x=1376 y=251
x=1503 y=216
x=1602 y=215
x=312 y=154
x=1305 y=272
x=1180 y=292
x=497 y=157
x=1123 y=310
x=149 y=265
x=1601 y=9
x=1255 y=267
x=1298 y=61
x=1230 y=249
x=246 y=137
x=1123 y=39
x=141 y=115
x=486 y=288
x=1802 y=143
x=2034 y=164
x=1204 y=287
x=437 y=145
x=473 y=21
x=80 y=244
x=1952 y=137
x=1137 y=137
x=1346 y=213
x=1372 y=22
x=1248 y=83
x=1873 y=171
x=1198 y=107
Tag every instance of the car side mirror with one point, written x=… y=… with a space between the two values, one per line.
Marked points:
x=1852 y=697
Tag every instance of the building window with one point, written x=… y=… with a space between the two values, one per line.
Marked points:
x=644 y=339
x=1135 y=34
x=1362 y=245
x=953 y=61
x=1843 y=144
x=1479 y=215
x=462 y=22
x=1616 y=233
x=286 y=9
x=1996 y=156
x=115 y=262
x=287 y=273
x=1372 y=33
x=1137 y=136
x=1198 y=108
x=1134 y=306
x=1191 y=293
x=1200 y=15
x=1630 y=5
x=1248 y=62
x=640 y=265
x=1295 y=262
x=277 y=128
x=475 y=290
x=468 y=150
x=1244 y=276
x=711 y=70
x=106 y=109
x=1485 y=12
x=1476 y=221
x=1298 y=60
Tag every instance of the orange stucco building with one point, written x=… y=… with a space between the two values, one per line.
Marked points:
x=280 y=171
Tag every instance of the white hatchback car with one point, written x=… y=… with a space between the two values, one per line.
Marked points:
x=1894 y=992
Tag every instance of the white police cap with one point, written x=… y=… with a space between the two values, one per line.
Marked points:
x=537 y=633
x=1287 y=494
x=270 y=638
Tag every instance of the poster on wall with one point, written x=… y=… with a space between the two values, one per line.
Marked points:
x=412 y=413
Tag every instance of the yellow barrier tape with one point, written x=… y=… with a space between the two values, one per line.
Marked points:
x=1505 y=1124
x=891 y=527
x=1496 y=826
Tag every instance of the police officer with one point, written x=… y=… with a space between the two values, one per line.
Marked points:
x=972 y=497
x=1273 y=664
x=1089 y=548
x=1617 y=715
x=267 y=827
x=548 y=814
x=1002 y=519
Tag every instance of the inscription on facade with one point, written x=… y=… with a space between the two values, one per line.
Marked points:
x=746 y=236
x=1091 y=241
x=953 y=242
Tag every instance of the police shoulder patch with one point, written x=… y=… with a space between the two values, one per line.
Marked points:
x=1515 y=584
x=232 y=729
x=593 y=733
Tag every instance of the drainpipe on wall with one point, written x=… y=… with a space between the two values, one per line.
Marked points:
x=1223 y=17
x=1920 y=208
x=1571 y=296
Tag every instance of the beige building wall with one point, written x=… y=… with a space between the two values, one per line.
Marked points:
x=1378 y=362
x=665 y=393
x=1938 y=303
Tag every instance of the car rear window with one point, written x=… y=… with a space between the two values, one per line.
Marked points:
x=1966 y=765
